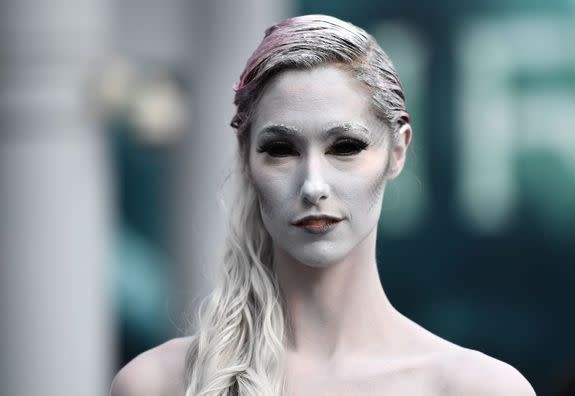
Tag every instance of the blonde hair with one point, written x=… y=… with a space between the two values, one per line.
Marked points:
x=239 y=344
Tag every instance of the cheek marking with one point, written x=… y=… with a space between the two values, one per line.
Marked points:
x=269 y=192
x=264 y=203
x=376 y=189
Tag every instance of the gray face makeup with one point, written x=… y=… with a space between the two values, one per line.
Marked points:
x=317 y=149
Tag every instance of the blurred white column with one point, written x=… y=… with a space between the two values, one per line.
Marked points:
x=54 y=202
x=152 y=32
x=223 y=35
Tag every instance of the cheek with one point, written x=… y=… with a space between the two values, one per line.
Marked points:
x=376 y=179
x=376 y=188
x=267 y=203
x=270 y=190
x=364 y=191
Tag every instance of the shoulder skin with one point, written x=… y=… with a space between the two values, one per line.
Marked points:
x=156 y=372
x=472 y=373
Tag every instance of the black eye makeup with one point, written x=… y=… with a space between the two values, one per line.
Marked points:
x=347 y=147
x=277 y=148
x=343 y=140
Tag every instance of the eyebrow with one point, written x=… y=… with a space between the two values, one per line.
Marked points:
x=285 y=130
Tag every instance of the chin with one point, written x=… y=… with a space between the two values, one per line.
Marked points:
x=319 y=256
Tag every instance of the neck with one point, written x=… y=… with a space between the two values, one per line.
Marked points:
x=334 y=310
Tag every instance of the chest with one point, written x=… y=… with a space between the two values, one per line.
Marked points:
x=420 y=382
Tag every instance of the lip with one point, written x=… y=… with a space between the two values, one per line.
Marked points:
x=330 y=222
x=305 y=219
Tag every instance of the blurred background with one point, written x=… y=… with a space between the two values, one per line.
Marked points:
x=115 y=148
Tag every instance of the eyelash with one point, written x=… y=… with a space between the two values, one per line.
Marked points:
x=281 y=148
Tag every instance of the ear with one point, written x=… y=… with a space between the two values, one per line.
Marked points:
x=398 y=152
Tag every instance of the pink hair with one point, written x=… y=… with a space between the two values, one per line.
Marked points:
x=311 y=40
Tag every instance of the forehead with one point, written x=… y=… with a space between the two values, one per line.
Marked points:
x=314 y=100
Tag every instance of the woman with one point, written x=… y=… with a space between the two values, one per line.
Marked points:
x=322 y=126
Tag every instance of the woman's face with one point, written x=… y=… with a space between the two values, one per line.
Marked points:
x=317 y=149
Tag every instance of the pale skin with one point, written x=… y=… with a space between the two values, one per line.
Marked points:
x=346 y=338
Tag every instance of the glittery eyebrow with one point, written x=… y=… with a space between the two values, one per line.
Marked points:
x=278 y=129
x=285 y=130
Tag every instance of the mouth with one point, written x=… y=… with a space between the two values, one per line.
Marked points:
x=317 y=224
x=316 y=220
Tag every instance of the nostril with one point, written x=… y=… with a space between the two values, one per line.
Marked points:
x=313 y=200
x=313 y=192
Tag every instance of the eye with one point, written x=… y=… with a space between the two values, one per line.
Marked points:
x=277 y=149
x=347 y=146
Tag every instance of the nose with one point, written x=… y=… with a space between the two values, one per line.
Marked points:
x=314 y=187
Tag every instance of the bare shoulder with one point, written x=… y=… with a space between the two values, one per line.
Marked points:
x=156 y=372
x=469 y=372
x=455 y=371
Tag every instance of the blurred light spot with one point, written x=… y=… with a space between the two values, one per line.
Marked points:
x=157 y=112
x=114 y=86
x=148 y=99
